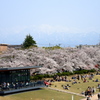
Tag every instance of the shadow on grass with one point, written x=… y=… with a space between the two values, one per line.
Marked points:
x=37 y=89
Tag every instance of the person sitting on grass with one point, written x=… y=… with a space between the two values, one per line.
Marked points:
x=82 y=92
x=74 y=82
x=66 y=87
x=96 y=80
x=84 y=80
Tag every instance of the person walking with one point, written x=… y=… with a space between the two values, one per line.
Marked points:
x=93 y=90
x=98 y=96
x=88 y=98
x=99 y=87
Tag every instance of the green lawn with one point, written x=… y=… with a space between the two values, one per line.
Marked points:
x=43 y=94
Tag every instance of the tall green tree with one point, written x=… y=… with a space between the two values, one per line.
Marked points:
x=29 y=41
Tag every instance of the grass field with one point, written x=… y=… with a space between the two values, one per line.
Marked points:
x=79 y=87
x=47 y=94
x=43 y=94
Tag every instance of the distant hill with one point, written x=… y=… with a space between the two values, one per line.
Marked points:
x=69 y=39
x=52 y=39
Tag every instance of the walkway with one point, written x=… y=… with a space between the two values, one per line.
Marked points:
x=94 y=97
x=66 y=91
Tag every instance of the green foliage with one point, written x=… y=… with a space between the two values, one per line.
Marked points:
x=28 y=42
x=84 y=71
x=92 y=70
x=54 y=47
x=39 y=77
x=65 y=73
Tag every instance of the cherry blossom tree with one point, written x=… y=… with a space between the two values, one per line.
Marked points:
x=69 y=59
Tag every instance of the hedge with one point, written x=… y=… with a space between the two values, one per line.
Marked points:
x=41 y=76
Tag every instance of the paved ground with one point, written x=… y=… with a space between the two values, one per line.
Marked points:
x=94 y=97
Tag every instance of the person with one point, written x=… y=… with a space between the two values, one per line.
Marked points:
x=27 y=84
x=93 y=90
x=8 y=85
x=82 y=92
x=99 y=87
x=68 y=85
x=88 y=98
x=96 y=80
x=86 y=93
x=98 y=96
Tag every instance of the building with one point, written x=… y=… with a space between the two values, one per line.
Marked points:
x=17 y=79
x=15 y=46
x=3 y=47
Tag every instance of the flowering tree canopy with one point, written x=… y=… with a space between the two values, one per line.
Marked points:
x=68 y=59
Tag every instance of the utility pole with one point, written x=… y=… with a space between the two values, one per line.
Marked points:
x=49 y=44
x=99 y=39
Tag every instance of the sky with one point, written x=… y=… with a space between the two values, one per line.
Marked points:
x=50 y=22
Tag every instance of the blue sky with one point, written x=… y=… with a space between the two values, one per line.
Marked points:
x=50 y=22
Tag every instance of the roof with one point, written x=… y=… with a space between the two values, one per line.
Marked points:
x=14 y=46
x=3 y=44
x=19 y=68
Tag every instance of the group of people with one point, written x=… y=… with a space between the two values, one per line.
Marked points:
x=89 y=92
x=7 y=86
x=66 y=86
x=60 y=78
x=85 y=78
x=98 y=96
